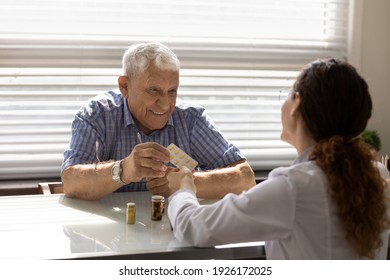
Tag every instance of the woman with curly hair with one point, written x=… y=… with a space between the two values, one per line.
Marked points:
x=333 y=202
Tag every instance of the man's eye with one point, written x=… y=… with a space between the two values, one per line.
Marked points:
x=153 y=91
x=173 y=92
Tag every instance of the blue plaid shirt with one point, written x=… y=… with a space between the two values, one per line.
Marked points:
x=104 y=130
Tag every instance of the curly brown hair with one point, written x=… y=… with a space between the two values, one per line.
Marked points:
x=336 y=105
x=357 y=189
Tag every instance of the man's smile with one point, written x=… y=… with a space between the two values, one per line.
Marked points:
x=158 y=113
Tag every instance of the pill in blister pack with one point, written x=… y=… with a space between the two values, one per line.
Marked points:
x=179 y=158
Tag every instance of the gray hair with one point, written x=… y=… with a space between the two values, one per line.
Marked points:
x=138 y=58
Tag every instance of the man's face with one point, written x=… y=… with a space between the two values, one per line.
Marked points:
x=151 y=98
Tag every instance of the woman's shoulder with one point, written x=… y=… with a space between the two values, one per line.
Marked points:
x=300 y=174
x=382 y=170
x=307 y=167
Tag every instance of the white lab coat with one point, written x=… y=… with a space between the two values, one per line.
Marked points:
x=291 y=211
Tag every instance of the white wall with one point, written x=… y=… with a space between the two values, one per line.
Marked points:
x=375 y=64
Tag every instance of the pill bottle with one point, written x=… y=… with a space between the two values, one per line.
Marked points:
x=130 y=213
x=158 y=202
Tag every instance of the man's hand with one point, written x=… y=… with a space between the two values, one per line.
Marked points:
x=145 y=161
x=160 y=186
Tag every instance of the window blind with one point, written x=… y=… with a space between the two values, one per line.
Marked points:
x=235 y=57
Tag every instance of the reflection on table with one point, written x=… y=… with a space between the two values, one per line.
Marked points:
x=57 y=227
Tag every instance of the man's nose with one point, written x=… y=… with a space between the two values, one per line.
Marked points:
x=163 y=101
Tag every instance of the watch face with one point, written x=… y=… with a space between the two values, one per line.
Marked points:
x=115 y=170
x=116 y=173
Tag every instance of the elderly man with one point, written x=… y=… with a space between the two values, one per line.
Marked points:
x=119 y=140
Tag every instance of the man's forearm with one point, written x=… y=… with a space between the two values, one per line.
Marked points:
x=231 y=179
x=88 y=181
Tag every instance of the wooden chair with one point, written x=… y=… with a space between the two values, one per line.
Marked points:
x=50 y=188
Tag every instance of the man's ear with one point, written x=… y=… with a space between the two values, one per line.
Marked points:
x=123 y=84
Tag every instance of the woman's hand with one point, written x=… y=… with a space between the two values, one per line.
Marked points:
x=181 y=179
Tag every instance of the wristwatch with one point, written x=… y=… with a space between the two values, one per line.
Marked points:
x=116 y=173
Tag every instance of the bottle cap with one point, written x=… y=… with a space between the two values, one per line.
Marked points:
x=158 y=198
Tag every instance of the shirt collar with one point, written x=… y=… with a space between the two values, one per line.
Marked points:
x=304 y=156
x=128 y=119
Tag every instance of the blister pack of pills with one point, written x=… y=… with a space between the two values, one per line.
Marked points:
x=179 y=158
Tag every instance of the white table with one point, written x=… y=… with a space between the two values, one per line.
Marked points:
x=56 y=227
